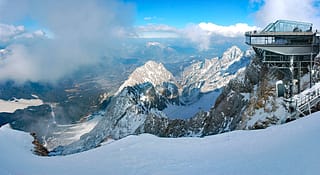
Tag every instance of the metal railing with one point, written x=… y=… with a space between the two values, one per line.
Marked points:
x=304 y=102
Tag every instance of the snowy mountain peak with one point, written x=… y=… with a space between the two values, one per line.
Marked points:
x=152 y=72
x=231 y=55
x=232 y=52
x=211 y=74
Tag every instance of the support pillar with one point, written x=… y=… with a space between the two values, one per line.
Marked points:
x=299 y=78
x=292 y=75
x=311 y=67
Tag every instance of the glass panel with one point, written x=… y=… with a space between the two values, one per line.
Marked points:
x=268 y=28
x=262 y=40
x=288 y=26
x=248 y=39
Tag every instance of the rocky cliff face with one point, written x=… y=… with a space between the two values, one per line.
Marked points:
x=137 y=107
x=229 y=107
x=225 y=115
x=210 y=74
x=124 y=115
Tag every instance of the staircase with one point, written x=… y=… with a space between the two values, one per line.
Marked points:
x=307 y=99
x=272 y=74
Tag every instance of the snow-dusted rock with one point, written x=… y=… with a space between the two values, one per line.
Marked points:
x=210 y=74
x=137 y=106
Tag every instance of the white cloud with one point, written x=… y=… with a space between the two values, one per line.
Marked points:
x=158 y=35
x=299 y=10
x=157 y=27
x=83 y=33
x=31 y=35
x=157 y=31
x=149 y=18
x=8 y=32
x=236 y=30
x=200 y=34
x=203 y=33
x=17 y=65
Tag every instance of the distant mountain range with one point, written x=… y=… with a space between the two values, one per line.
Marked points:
x=152 y=97
x=192 y=98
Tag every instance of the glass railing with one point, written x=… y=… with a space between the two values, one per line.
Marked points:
x=288 y=26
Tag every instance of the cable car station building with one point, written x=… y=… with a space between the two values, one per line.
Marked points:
x=289 y=45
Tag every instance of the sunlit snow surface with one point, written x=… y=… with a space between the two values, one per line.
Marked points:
x=66 y=134
x=12 y=105
x=292 y=148
x=188 y=111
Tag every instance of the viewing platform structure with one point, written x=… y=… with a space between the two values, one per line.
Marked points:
x=289 y=45
x=284 y=42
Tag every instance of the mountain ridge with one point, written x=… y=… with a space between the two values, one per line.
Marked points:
x=137 y=109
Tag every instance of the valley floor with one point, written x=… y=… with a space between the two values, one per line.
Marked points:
x=293 y=148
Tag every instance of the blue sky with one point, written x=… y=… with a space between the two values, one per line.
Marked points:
x=179 y=13
x=80 y=32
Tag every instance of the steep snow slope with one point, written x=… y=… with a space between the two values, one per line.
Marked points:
x=66 y=134
x=290 y=149
x=124 y=115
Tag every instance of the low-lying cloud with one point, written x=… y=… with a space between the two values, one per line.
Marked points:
x=203 y=34
x=200 y=34
x=157 y=31
x=10 y=34
x=236 y=30
x=83 y=32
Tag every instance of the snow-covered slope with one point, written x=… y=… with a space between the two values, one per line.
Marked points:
x=187 y=111
x=290 y=149
x=124 y=115
x=66 y=134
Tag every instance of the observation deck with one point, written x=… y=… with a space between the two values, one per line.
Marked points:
x=284 y=38
x=292 y=46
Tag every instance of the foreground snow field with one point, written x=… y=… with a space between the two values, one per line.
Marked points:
x=293 y=148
